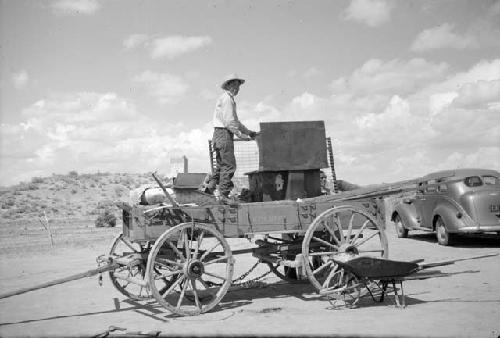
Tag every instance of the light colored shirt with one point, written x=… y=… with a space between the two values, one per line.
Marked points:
x=225 y=115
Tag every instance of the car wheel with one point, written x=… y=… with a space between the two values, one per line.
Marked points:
x=401 y=231
x=443 y=236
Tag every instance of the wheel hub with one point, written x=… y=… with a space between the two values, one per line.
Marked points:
x=349 y=249
x=195 y=269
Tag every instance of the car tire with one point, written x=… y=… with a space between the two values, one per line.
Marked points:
x=443 y=236
x=401 y=231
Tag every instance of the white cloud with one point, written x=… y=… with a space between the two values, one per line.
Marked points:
x=442 y=37
x=441 y=120
x=174 y=46
x=20 y=79
x=440 y=101
x=74 y=7
x=306 y=100
x=169 y=47
x=370 y=12
x=135 y=40
x=477 y=94
x=91 y=132
x=391 y=77
x=165 y=88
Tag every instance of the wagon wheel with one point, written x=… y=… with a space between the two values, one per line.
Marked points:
x=190 y=268
x=342 y=232
x=120 y=247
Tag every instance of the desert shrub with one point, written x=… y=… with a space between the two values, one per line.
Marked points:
x=74 y=191
x=106 y=219
x=8 y=203
x=73 y=174
x=93 y=212
x=105 y=204
x=19 y=210
x=26 y=186
x=37 y=180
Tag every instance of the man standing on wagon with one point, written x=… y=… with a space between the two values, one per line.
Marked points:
x=226 y=125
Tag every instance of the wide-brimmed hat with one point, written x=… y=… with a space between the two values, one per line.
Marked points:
x=230 y=78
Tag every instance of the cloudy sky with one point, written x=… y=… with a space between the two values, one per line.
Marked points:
x=404 y=87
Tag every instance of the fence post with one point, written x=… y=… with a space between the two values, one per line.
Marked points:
x=46 y=225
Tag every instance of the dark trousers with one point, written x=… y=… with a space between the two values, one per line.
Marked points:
x=226 y=162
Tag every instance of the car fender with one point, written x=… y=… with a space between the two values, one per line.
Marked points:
x=453 y=215
x=407 y=212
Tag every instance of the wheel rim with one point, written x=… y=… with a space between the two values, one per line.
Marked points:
x=190 y=268
x=120 y=247
x=340 y=232
x=345 y=292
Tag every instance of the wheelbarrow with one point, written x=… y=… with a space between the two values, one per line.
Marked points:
x=354 y=277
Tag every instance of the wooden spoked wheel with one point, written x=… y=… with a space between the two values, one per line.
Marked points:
x=345 y=289
x=190 y=268
x=340 y=233
x=121 y=247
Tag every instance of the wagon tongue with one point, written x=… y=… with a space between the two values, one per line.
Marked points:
x=487 y=205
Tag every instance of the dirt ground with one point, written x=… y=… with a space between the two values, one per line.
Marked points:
x=466 y=304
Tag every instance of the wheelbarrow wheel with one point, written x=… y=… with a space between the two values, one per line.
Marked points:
x=190 y=268
x=345 y=292
x=342 y=232
x=120 y=247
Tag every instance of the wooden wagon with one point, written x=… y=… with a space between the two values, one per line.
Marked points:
x=179 y=255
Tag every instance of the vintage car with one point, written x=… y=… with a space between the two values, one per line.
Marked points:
x=451 y=202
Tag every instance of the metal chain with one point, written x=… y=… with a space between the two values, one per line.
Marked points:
x=244 y=275
x=245 y=284
x=252 y=282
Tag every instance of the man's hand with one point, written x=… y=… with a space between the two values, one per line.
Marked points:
x=252 y=135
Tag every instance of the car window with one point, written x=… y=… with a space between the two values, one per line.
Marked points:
x=473 y=181
x=491 y=180
x=442 y=187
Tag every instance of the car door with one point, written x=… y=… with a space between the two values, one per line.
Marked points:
x=425 y=201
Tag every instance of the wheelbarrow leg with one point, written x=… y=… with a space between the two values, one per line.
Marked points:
x=399 y=304
x=403 y=297
x=384 y=290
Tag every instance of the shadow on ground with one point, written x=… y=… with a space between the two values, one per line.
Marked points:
x=462 y=241
x=242 y=297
